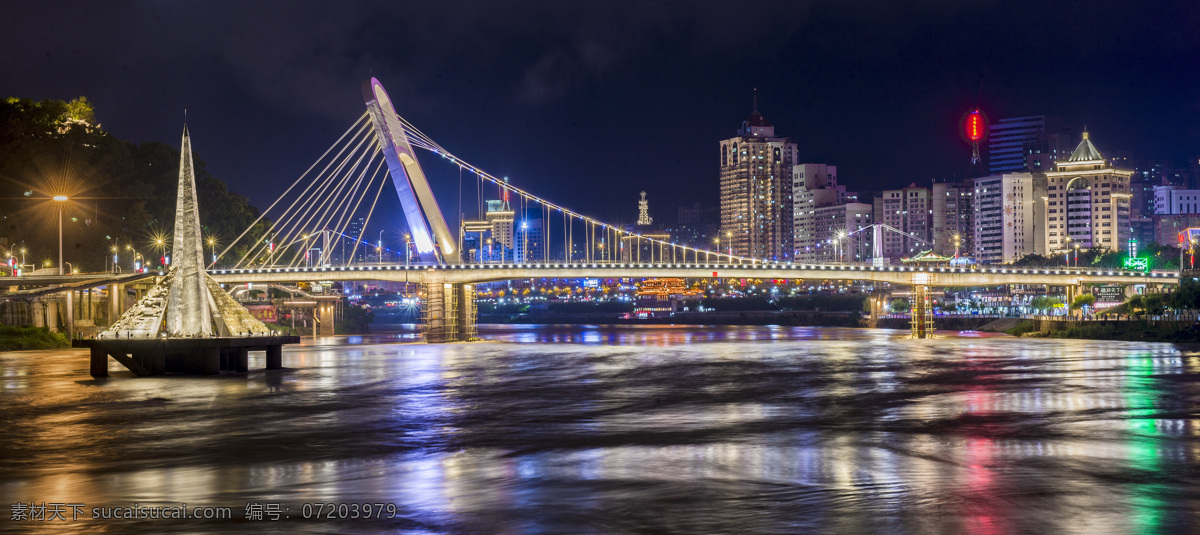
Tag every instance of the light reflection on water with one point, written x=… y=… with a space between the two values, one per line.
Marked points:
x=603 y=428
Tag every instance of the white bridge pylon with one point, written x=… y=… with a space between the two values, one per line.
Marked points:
x=408 y=178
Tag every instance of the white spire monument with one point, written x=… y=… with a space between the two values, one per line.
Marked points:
x=192 y=304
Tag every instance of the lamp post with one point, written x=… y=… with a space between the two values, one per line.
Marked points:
x=729 y=240
x=1076 y=254
x=380 y=250
x=1067 y=256
x=718 y=240
x=957 y=242
x=60 y=199
x=212 y=244
x=525 y=241
x=407 y=248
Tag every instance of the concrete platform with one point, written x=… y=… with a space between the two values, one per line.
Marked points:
x=195 y=356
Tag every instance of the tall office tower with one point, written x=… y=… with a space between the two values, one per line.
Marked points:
x=909 y=211
x=1006 y=208
x=1012 y=143
x=953 y=217
x=756 y=191
x=814 y=186
x=1088 y=202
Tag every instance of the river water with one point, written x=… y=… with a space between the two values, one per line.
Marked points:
x=595 y=429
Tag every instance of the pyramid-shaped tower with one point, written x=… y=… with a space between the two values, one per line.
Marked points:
x=191 y=303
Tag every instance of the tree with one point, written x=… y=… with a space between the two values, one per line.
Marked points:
x=1044 y=303
x=1085 y=300
x=900 y=306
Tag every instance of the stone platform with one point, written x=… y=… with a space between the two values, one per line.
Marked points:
x=195 y=356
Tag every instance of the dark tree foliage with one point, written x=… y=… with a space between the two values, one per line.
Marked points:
x=1160 y=256
x=122 y=194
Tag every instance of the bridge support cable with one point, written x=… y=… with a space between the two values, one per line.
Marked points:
x=418 y=139
x=315 y=214
x=336 y=201
x=362 y=119
x=367 y=221
x=284 y=217
x=347 y=216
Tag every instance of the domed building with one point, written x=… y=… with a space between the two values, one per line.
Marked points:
x=1087 y=202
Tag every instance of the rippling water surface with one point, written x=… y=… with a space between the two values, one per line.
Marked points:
x=587 y=429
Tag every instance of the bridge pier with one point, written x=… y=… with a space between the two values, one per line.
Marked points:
x=878 y=302
x=449 y=312
x=921 y=316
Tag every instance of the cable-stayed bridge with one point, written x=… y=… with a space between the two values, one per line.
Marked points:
x=322 y=212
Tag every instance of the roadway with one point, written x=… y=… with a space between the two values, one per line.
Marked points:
x=901 y=275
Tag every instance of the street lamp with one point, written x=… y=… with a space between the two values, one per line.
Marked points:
x=525 y=241
x=718 y=240
x=1077 y=254
x=380 y=249
x=60 y=199
x=407 y=247
x=840 y=251
x=957 y=242
x=212 y=243
x=729 y=240
x=1067 y=246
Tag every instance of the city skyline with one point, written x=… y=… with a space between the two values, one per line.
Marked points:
x=552 y=98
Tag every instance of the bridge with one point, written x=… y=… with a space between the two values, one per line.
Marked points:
x=330 y=205
x=450 y=287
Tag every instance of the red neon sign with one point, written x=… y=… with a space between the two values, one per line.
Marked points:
x=974 y=126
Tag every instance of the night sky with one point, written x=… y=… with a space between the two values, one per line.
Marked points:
x=588 y=103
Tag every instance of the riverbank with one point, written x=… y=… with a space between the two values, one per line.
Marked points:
x=27 y=338
x=1129 y=330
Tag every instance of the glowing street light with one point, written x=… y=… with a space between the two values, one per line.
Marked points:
x=60 y=199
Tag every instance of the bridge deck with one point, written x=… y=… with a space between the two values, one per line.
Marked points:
x=478 y=273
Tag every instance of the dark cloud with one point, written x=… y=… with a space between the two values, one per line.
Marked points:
x=592 y=102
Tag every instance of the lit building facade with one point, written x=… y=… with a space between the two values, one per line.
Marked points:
x=1088 y=202
x=814 y=186
x=1006 y=222
x=910 y=211
x=953 y=217
x=756 y=191
x=832 y=242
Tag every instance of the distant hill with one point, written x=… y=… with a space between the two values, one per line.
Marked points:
x=121 y=194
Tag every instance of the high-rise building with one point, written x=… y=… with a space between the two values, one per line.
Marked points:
x=953 y=217
x=756 y=191
x=1006 y=222
x=814 y=186
x=832 y=242
x=697 y=226
x=1013 y=143
x=910 y=212
x=1088 y=202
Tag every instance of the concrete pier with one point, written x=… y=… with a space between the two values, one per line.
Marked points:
x=190 y=356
